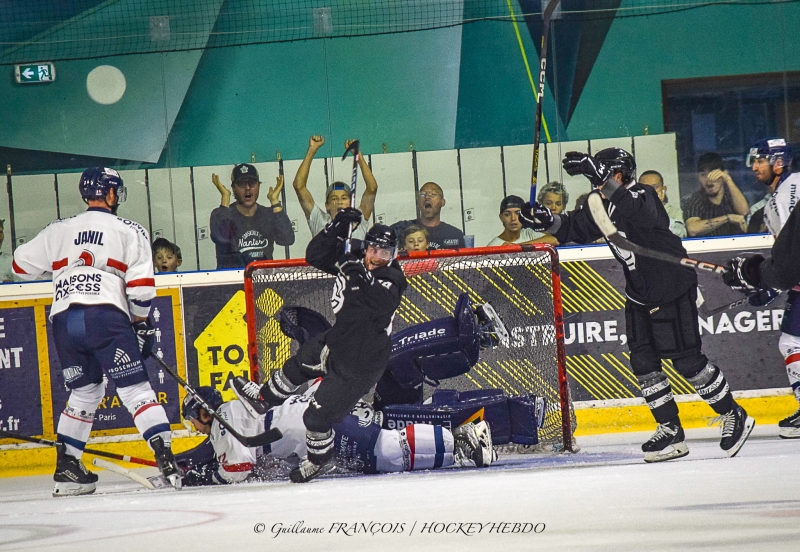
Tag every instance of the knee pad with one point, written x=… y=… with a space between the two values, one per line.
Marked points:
x=690 y=365
x=137 y=396
x=83 y=401
x=644 y=361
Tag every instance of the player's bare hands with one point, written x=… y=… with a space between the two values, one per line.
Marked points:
x=738 y=219
x=223 y=191
x=274 y=194
x=315 y=142
x=718 y=174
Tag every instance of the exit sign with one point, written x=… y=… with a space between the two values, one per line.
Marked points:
x=35 y=72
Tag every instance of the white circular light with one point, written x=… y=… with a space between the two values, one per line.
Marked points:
x=105 y=84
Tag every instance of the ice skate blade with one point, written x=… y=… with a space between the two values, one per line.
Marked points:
x=69 y=488
x=789 y=433
x=749 y=423
x=679 y=450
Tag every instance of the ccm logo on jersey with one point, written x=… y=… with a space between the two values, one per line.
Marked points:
x=89 y=236
x=421 y=336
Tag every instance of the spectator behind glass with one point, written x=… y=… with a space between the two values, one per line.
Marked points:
x=440 y=234
x=246 y=231
x=337 y=196
x=415 y=238
x=554 y=196
x=654 y=179
x=166 y=255
x=6 y=272
x=718 y=208
x=513 y=232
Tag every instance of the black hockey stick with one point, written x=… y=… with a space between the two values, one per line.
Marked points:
x=609 y=231
x=123 y=457
x=730 y=306
x=537 y=123
x=354 y=147
x=255 y=441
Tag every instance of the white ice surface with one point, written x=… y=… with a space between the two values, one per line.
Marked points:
x=602 y=498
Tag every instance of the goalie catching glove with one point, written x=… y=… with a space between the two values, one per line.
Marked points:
x=576 y=163
x=537 y=217
x=353 y=270
x=146 y=335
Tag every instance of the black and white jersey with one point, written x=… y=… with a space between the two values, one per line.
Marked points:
x=639 y=216
x=364 y=312
x=782 y=269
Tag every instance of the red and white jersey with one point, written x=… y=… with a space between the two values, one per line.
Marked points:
x=783 y=201
x=96 y=258
x=236 y=461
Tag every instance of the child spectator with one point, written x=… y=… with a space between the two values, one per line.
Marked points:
x=166 y=255
x=415 y=238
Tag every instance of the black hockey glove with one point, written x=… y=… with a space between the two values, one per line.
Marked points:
x=341 y=223
x=576 y=163
x=762 y=297
x=353 y=269
x=538 y=217
x=743 y=273
x=146 y=335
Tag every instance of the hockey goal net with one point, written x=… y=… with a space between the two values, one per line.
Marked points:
x=521 y=282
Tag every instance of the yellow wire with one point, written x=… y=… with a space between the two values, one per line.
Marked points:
x=527 y=67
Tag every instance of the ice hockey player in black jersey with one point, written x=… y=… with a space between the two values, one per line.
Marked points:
x=351 y=356
x=660 y=310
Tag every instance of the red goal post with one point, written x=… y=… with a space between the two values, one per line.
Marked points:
x=522 y=282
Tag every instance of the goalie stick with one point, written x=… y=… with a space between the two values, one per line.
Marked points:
x=355 y=148
x=537 y=122
x=609 y=231
x=124 y=458
x=255 y=441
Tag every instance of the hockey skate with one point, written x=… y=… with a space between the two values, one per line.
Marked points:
x=307 y=470
x=71 y=477
x=166 y=462
x=667 y=442
x=249 y=393
x=736 y=428
x=790 y=426
x=492 y=329
x=473 y=445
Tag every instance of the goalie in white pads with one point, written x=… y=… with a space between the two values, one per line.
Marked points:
x=102 y=288
x=360 y=443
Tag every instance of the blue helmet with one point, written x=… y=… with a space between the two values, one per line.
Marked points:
x=191 y=406
x=771 y=149
x=97 y=181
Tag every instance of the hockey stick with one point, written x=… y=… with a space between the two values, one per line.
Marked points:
x=354 y=147
x=255 y=441
x=537 y=123
x=124 y=458
x=730 y=306
x=609 y=231
x=130 y=474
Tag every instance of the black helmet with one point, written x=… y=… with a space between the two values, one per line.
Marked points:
x=191 y=406
x=618 y=160
x=383 y=238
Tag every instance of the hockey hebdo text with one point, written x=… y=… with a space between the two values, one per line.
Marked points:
x=372 y=528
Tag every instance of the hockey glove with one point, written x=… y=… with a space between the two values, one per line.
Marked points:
x=353 y=270
x=537 y=217
x=146 y=335
x=743 y=273
x=576 y=163
x=762 y=297
x=340 y=225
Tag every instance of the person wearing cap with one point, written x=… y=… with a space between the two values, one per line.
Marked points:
x=441 y=235
x=338 y=195
x=718 y=208
x=513 y=231
x=247 y=231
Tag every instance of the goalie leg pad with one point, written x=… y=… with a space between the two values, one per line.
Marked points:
x=790 y=349
x=527 y=415
x=75 y=422
x=712 y=387
x=148 y=415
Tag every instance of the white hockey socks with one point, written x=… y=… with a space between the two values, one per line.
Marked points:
x=790 y=349
x=149 y=416
x=417 y=447
x=75 y=422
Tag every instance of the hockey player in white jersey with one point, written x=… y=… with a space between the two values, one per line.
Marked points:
x=771 y=160
x=103 y=284
x=360 y=443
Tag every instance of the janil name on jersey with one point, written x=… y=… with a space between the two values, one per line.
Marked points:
x=89 y=236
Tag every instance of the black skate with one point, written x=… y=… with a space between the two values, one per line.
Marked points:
x=472 y=445
x=790 y=426
x=307 y=470
x=736 y=428
x=249 y=393
x=166 y=462
x=71 y=477
x=667 y=442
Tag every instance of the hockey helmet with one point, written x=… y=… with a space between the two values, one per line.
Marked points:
x=618 y=160
x=384 y=240
x=97 y=181
x=771 y=149
x=191 y=406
